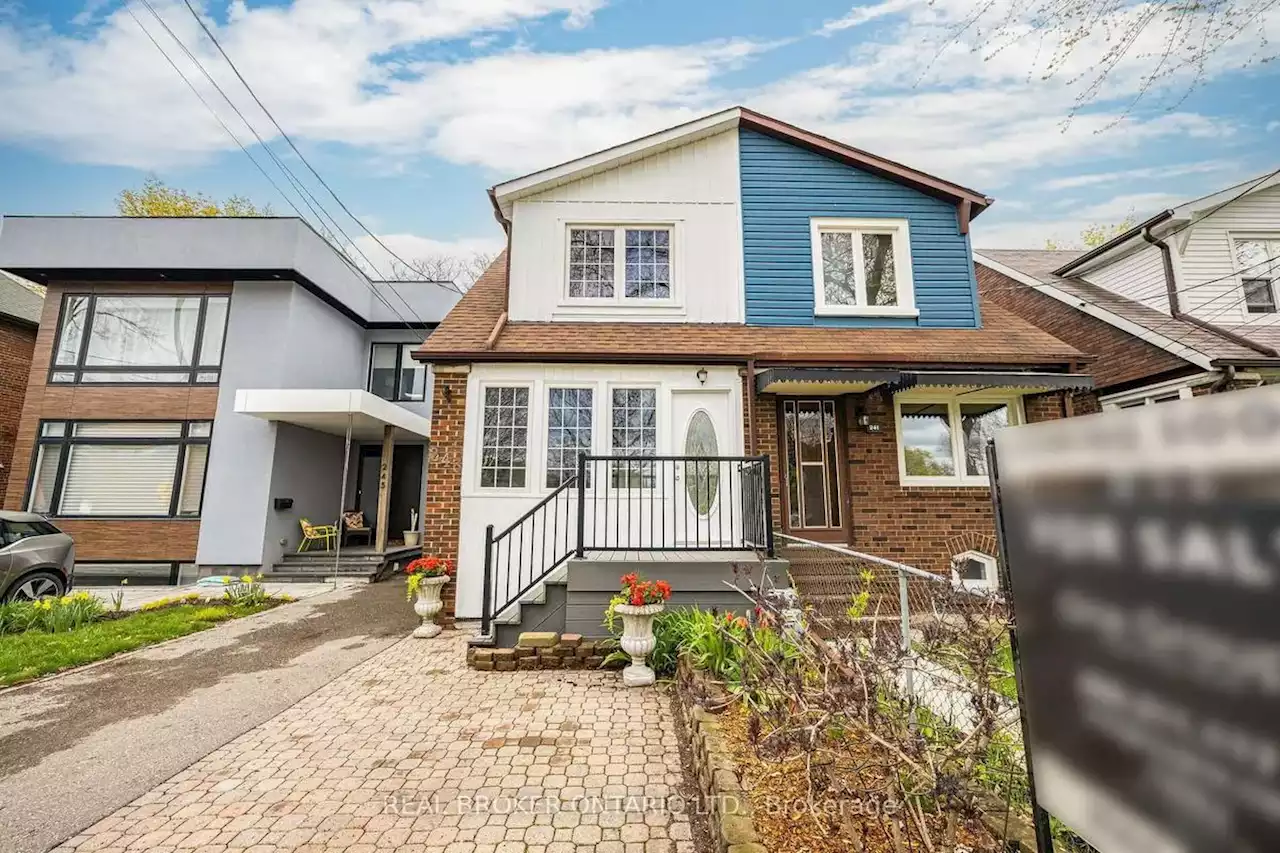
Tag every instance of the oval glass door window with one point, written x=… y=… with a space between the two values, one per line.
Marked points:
x=702 y=479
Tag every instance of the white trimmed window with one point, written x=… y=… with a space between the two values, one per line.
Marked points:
x=624 y=263
x=943 y=442
x=569 y=424
x=862 y=268
x=974 y=570
x=1258 y=260
x=122 y=469
x=504 y=443
x=633 y=432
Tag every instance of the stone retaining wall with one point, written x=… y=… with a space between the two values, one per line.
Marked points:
x=543 y=651
x=724 y=802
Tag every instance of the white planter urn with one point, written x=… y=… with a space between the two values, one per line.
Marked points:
x=410 y=538
x=638 y=641
x=428 y=605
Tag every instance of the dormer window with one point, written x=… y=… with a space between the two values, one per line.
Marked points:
x=862 y=268
x=622 y=264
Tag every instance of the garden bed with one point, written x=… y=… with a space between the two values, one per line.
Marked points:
x=43 y=637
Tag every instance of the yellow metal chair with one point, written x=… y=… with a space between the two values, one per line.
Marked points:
x=326 y=533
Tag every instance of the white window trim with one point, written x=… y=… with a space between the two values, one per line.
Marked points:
x=548 y=387
x=900 y=229
x=953 y=403
x=660 y=437
x=1184 y=386
x=532 y=468
x=620 y=300
x=993 y=578
x=1242 y=305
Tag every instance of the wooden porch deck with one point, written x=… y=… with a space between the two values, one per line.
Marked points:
x=738 y=556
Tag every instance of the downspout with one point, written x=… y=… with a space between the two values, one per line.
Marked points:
x=1175 y=309
x=1223 y=382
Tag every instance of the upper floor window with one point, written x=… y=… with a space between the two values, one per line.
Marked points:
x=862 y=267
x=152 y=469
x=140 y=339
x=622 y=263
x=395 y=376
x=1258 y=260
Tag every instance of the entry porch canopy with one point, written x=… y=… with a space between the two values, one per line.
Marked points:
x=801 y=380
x=352 y=413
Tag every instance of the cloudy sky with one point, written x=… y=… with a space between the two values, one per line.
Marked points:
x=410 y=109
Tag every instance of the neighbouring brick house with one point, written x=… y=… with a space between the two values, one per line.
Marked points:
x=730 y=289
x=1142 y=354
x=20 y=307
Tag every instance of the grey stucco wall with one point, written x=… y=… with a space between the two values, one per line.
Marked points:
x=308 y=468
x=278 y=336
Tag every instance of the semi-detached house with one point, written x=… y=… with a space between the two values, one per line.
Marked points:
x=733 y=318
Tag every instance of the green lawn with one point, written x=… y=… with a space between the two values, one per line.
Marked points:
x=35 y=653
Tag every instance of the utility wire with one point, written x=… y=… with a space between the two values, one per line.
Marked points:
x=289 y=140
x=293 y=180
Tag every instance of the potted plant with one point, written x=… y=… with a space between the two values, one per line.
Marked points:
x=411 y=535
x=426 y=576
x=638 y=603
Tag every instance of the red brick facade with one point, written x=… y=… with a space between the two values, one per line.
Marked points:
x=1120 y=358
x=923 y=526
x=17 y=343
x=444 y=475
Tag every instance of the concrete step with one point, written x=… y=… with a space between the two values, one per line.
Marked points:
x=318 y=577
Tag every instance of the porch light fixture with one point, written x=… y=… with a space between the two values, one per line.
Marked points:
x=702 y=376
x=865 y=424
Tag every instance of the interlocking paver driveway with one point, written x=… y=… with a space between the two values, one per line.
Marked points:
x=413 y=751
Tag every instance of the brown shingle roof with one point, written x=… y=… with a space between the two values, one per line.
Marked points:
x=1040 y=264
x=1004 y=339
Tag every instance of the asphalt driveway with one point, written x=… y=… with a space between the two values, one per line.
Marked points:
x=76 y=747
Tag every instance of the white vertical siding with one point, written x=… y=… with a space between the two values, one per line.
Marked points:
x=693 y=187
x=500 y=507
x=1138 y=276
x=1208 y=286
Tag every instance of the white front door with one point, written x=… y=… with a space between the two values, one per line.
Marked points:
x=702 y=493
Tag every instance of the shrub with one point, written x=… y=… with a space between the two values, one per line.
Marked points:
x=248 y=592
x=53 y=615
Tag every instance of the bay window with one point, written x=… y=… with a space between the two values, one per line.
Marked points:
x=619 y=263
x=144 y=469
x=943 y=442
x=862 y=267
x=162 y=339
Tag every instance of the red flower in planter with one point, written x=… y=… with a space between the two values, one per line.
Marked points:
x=639 y=592
x=430 y=567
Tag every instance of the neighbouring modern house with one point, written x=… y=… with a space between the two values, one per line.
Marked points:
x=20 y=307
x=753 y=333
x=1182 y=304
x=200 y=386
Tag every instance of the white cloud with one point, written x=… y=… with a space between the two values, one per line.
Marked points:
x=860 y=15
x=1152 y=173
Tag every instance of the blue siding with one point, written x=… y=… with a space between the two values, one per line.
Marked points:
x=784 y=186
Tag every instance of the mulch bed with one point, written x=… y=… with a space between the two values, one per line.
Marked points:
x=846 y=814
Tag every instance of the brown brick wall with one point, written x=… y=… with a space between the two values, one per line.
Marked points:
x=923 y=526
x=165 y=539
x=444 y=477
x=17 y=342
x=1120 y=358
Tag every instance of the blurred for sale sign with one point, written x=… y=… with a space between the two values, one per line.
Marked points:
x=1143 y=548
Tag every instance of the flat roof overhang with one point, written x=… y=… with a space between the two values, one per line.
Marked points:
x=332 y=410
x=853 y=380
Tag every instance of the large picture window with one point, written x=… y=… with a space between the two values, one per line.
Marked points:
x=504 y=447
x=395 y=376
x=628 y=264
x=944 y=442
x=147 y=469
x=167 y=339
x=862 y=267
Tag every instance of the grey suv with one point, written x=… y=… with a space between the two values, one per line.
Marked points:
x=37 y=560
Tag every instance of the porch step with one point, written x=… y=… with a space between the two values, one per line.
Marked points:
x=540 y=609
